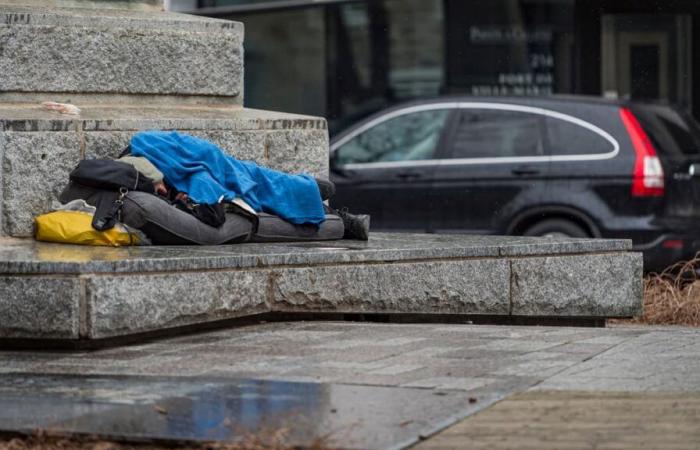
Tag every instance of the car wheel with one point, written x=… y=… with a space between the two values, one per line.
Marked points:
x=556 y=228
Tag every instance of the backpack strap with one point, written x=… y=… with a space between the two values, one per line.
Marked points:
x=106 y=218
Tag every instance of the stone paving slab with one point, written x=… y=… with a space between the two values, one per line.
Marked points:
x=439 y=367
x=350 y=353
x=215 y=409
x=675 y=366
x=98 y=293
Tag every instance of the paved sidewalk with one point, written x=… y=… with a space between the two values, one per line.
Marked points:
x=430 y=376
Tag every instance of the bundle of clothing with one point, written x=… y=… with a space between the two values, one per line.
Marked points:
x=199 y=181
x=209 y=176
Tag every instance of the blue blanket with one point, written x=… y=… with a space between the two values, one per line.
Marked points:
x=203 y=171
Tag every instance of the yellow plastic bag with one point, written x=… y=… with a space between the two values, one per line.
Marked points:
x=75 y=227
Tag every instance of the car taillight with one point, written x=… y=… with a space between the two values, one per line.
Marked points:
x=673 y=244
x=648 y=175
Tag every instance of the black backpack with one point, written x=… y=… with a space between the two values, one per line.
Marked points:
x=109 y=174
x=114 y=179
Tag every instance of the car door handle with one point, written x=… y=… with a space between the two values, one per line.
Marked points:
x=408 y=175
x=522 y=172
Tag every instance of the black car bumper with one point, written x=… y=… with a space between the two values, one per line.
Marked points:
x=668 y=249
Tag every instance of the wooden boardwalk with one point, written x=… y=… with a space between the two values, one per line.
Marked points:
x=579 y=420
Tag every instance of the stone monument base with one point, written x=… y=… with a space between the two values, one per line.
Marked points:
x=73 y=294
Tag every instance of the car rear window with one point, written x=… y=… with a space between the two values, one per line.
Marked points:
x=568 y=138
x=483 y=133
x=409 y=137
x=673 y=133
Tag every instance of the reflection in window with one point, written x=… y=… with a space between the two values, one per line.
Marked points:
x=686 y=141
x=285 y=53
x=566 y=138
x=492 y=133
x=676 y=132
x=523 y=47
x=382 y=52
x=409 y=137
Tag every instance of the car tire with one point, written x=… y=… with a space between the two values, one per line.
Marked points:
x=556 y=228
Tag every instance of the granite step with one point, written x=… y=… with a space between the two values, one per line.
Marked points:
x=73 y=54
x=135 y=5
x=75 y=294
x=39 y=148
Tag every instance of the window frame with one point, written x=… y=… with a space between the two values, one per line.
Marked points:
x=460 y=105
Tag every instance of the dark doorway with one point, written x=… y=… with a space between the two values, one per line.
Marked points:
x=644 y=71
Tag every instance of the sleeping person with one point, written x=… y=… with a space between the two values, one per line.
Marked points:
x=201 y=173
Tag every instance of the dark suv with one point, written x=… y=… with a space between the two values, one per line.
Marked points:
x=560 y=166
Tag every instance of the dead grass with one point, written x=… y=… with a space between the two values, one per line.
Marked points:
x=264 y=440
x=672 y=297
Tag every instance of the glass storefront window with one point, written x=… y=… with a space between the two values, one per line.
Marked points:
x=382 y=52
x=510 y=47
x=347 y=59
x=285 y=60
x=647 y=56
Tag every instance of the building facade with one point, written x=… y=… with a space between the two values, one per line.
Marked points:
x=344 y=59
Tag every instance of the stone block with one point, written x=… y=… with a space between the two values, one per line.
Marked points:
x=292 y=151
x=597 y=285
x=35 y=169
x=41 y=307
x=463 y=287
x=246 y=145
x=121 y=305
x=105 y=144
x=298 y=151
x=58 y=50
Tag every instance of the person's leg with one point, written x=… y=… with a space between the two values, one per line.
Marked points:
x=356 y=225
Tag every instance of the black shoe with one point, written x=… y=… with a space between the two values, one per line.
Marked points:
x=356 y=225
x=326 y=188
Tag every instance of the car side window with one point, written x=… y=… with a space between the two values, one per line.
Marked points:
x=489 y=133
x=408 y=137
x=567 y=138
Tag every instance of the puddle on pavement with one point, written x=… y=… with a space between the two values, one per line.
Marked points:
x=206 y=409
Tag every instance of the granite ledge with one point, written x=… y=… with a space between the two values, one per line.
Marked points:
x=26 y=256
x=32 y=117
x=29 y=15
